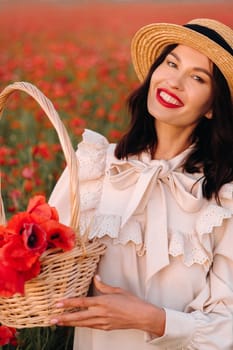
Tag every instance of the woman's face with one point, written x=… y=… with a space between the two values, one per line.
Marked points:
x=181 y=88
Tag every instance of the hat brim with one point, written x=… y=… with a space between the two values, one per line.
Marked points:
x=150 y=40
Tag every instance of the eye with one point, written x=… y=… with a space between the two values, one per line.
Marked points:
x=198 y=79
x=171 y=64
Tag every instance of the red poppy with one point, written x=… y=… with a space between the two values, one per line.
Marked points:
x=40 y=210
x=16 y=222
x=13 y=340
x=16 y=255
x=59 y=235
x=11 y=281
x=7 y=335
x=4 y=235
x=27 y=235
x=28 y=185
x=32 y=272
x=33 y=236
x=42 y=150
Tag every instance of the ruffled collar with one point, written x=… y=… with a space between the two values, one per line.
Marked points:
x=145 y=180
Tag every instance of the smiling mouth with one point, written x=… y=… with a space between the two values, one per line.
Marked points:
x=168 y=100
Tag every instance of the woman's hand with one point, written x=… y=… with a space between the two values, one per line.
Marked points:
x=115 y=308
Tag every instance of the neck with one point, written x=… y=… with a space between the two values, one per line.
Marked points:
x=171 y=142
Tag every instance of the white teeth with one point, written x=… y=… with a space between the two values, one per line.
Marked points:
x=169 y=98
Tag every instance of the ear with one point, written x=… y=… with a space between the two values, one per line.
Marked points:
x=209 y=114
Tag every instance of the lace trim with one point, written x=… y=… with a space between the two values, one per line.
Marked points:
x=91 y=154
x=130 y=232
x=211 y=217
x=189 y=247
x=103 y=225
x=195 y=247
x=90 y=194
x=109 y=225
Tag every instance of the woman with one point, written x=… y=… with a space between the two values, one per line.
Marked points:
x=161 y=200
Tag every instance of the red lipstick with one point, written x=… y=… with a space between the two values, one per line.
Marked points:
x=168 y=99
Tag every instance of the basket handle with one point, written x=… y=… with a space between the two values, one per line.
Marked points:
x=69 y=153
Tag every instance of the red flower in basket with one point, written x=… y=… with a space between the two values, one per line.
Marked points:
x=58 y=235
x=40 y=210
x=7 y=335
x=24 y=239
x=11 y=281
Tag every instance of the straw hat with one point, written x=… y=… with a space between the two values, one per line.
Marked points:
x=208 y=36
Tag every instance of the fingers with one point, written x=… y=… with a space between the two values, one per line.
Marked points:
x=92 y=311
x=81 y=302
x=74 y=320
x=92 y=317
x=82 y=318
x=86 y=302
x=106 y=288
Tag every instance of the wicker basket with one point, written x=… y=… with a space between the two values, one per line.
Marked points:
x=63 y=274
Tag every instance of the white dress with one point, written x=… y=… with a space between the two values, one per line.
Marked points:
x=165 y=243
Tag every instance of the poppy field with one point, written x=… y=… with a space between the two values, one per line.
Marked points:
x=78 y=55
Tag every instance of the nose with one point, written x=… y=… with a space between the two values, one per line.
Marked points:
x=176 y=81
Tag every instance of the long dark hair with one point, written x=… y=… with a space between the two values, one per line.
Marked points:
x=212 y=153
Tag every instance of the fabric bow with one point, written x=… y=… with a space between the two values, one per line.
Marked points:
x=149 y=182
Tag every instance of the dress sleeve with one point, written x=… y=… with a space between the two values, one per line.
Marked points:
x=91 y=153
x=207 y=322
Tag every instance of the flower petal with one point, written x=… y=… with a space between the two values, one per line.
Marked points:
x=32 y=272
x=34 y=237
x=7 y=334
x=17 y=221
x=59 y=235
x=15 y=255
x=11 y=281
x=40 y=210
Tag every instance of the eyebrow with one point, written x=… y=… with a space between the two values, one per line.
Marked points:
x=199 y=69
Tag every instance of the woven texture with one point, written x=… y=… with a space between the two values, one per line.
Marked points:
x=150 y=40
x=63 y=274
